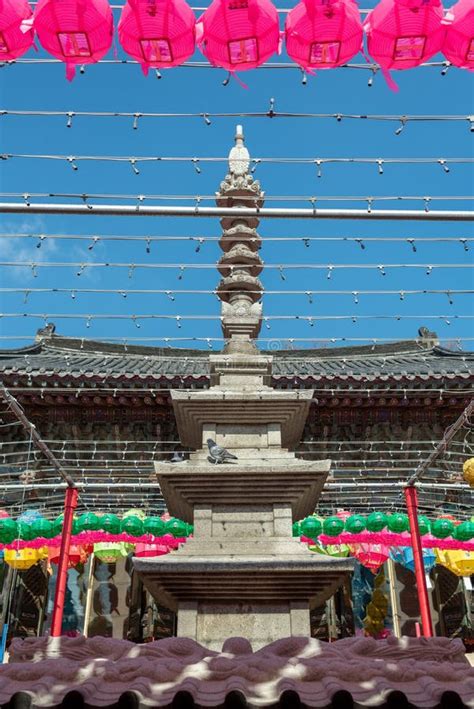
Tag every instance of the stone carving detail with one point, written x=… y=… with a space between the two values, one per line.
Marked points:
x=240 y=290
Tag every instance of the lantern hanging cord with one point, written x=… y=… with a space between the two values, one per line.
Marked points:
x=35 y=437
x=125 y=292
x=339 y=117
x=443 y=444
x=142 y=198
x=364 y=66
x=330 y=389
x=231 y=267
x=255 y=161
x=166 y=316
x=275 y=344
x=94 y=239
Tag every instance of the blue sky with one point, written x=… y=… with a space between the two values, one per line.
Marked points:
x=123 y=88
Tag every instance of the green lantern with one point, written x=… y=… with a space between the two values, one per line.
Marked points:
x=25 y=531
x=42 y=528
x=442 y=528
x=296 y=529
x=376 y=521
x=109 y=523
x=464 y=531
x=8 y=530
x=176 y=527
x=132 y=525
x=154 y=525
x=109 y=552
x=398 y=522
x=332 y=526
x=88 y=521
x=58 y=526
x=424 y=525
x=311 y=527
x=355 y=524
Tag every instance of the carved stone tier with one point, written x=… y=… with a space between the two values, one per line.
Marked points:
x=240 y=259
x=243 y=571
x=198 y=411
x=238 y=235
x=247 y=287
x=236 y=221
x=302 y=584
x=265 y=477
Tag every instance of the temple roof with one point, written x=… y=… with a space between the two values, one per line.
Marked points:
x=55 y=356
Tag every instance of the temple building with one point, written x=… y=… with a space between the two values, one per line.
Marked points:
x=314 y=430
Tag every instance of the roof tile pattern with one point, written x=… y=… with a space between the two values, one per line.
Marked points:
x=78 y=359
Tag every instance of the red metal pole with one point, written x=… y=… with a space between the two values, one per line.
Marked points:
x=70 y=504
x=425 y=612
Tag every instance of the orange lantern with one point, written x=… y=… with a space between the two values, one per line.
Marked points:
x=78 y=553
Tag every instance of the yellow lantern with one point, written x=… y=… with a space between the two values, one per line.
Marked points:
x=468 y=471
x=23 y=559
x=458 y=561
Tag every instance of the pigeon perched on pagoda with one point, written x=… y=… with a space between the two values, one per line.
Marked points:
x=218 y=454
x=177 y=457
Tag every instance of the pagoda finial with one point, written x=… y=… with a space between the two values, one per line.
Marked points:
x=239 y=158
x=240 y=289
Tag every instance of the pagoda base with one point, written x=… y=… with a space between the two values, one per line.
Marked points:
x=261 y=597
x=209 y=623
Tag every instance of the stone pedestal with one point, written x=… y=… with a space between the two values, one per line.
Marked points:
x=242 y=573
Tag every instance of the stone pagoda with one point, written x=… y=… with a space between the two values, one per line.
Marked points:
x=242 y=573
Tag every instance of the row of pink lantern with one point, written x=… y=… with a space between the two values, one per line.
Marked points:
x=241 y=34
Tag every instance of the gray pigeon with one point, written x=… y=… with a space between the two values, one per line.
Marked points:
x=218 y=454
x=177 y=457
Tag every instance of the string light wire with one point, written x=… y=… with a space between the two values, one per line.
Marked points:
x=272 y=113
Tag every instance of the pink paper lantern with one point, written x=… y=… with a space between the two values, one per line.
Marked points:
x=155 y=549
x=16 y=29
x=238 y=34
x=322 y=34
x=75 y=31
x=458 y=44
x=402 y=34
x=157 y=33
x=372 y=556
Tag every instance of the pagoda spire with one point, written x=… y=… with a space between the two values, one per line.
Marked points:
x=240 y=290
